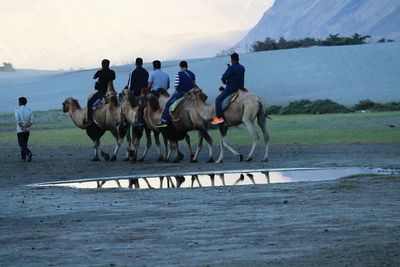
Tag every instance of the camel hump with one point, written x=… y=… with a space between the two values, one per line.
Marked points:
x=243 y=89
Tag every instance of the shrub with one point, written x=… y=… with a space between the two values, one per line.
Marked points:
x=297 y=107
x=365 y=104
x=273 y=109
x=327 y=106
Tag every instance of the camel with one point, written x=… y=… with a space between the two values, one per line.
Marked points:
x=108 y=117
x=129 y=110
x=245 y=109
x=152 y=115
x=191 y=114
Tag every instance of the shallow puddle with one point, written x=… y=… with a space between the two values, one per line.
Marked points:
x=217 y=178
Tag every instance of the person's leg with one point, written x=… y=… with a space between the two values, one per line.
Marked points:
x=218 y=107
x=27 y=151
x=165 y=115
x=23 y=143
x=20 y=143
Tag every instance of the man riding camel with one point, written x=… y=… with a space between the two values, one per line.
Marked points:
x=137 y=82
x=104 y=76
x=184 y=81
x=234 y=79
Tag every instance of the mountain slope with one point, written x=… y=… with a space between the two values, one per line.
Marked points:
x=345 y=74
x=319 y=18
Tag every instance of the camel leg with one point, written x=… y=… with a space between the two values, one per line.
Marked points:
x=116 y=149
x=267 y=176
x=161 y=180
x=240 y=179
x=261 y=120
x=251 y=177
x=210 y=148
x=118 y=183
x=195 y=177
x=212 y=178
x=157 y=139
x=148 y=184
x=224 y=143
x=253 y=133
x=187 y=139
x=179 y=180
x=222 y=176
x=199 y=146
x=129 y=140
x=170 y=182
x=148 y=145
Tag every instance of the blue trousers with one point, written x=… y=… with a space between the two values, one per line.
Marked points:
x=218 y=102
x=173 y=98
x=23 y=138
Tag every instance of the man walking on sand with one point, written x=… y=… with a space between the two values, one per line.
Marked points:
x=24 y=119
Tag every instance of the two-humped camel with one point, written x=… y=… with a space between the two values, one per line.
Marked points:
x=194 y=114
x=106 y=118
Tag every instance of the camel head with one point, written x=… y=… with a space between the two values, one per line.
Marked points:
x=128 y=96
x=196 y=94
x=111 y=97
x=69 y=103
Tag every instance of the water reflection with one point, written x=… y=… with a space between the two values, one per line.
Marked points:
x=216 y=178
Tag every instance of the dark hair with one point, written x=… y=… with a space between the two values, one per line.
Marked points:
x=235 y=56
x=105 y=63
x=139 y=61
x=22 y=100
x=157 y=64
x=183 y=64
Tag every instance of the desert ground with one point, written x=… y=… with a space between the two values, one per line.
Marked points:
x=345 y=222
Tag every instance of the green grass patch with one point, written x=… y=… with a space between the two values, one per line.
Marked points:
x=369 y=127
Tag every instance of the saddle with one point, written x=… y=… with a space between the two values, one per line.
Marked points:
x=229 y=99
x=176 y=104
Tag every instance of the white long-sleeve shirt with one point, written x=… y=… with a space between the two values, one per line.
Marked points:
x=24 y=116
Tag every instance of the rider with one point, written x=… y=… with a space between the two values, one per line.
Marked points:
x=234 y=79
x=138 y=78
x=184 y=81
x=138 y=81
x=104 y=75
x=158 y=78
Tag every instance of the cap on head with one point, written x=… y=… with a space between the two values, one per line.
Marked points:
x=105 y=63
x=156 y=64
x=235 y=57
x=183 y=64
x=139 y=61
x=22 y=100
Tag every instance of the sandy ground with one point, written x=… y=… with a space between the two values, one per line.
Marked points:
x=352 y=222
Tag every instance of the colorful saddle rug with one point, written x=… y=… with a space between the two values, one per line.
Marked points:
x=176 y=104
x=229 y=99
x=99 y=103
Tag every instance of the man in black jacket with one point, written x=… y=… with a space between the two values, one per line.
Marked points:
x=104 y=75
x=138 y=78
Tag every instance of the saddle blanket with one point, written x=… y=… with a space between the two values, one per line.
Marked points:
x=176 y=104
x=98 y=103
x=229 y=99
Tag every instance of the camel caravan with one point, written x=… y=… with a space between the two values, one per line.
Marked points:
x=129 y=114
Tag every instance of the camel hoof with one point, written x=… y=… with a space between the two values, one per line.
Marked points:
x=249 y=159
x=160 y=158
x=176 y=161
x=166 y=160
x=113 y=158
x=95 y=159
x=210 y=160
x=219 y=161
x=180 y=156
x=191 y=156
x=105 y=156
x=141 y=159
x=193 y=160
x=265 y=160
x=126 y=159
x=240 y=157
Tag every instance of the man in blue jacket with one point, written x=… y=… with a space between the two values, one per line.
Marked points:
x=234 y=79
x=184 y=81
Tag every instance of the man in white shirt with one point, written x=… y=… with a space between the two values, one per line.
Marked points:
x=158 y=79
x=24 y=119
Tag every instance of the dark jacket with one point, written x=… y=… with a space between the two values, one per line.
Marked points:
x=138 y=80
x=103 y=76
x=184 y=81
x=234 y=77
